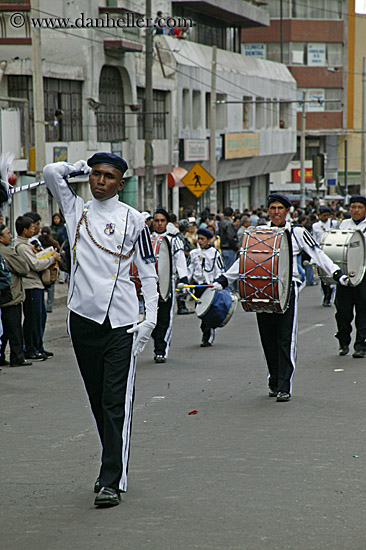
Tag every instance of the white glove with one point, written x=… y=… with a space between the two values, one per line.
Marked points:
x=144 y=331
x=344 y=280
x=216 y=286
x=82 y=166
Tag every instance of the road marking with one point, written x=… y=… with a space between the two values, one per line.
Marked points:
x=308 y=329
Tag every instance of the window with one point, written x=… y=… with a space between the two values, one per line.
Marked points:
x=159 y=114
x=65 y=95
x=312 y=148
x=274 y=108
x=285 y=114
x=335 y=54
x=305 y=9
x=111 y=113
x=196 y=108
x=208 y=109
x=333 y=93
x=274 y=52
x=247 y=112
x=268 y=107
x=186 y=108
x=221 y=111
x=297 y=56
x=260 y=114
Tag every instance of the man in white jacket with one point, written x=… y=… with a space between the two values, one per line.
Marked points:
x=352 y=298
x=105 y=236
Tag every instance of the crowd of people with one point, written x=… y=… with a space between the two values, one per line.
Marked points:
x=103 y=237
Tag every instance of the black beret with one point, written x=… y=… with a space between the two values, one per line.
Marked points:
x=276 y=197
x=109 y=158
x=357 y=198
x=325 y=209
x=205 y=232
x=163 y=213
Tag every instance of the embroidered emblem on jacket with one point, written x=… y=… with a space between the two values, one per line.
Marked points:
x=109 y=228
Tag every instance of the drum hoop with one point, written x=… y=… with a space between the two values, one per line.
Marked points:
x=273 y=278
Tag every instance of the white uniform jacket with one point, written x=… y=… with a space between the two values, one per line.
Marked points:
x=204 y=265
x=100 y=283
x=301 y=241
x=319 y=228
x=179 y=263
x=350 y=224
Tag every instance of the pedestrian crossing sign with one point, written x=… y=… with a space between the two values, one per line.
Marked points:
x=197 y=180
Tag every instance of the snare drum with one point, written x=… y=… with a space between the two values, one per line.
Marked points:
x=163 y=266
x=265 y=269
x=216 y=307
x=346 y=248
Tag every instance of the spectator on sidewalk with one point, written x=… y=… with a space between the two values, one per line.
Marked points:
x=46 y=241
x=11 y=312
x=33 y=307
x=229 y=238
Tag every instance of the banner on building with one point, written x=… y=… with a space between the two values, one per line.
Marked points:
x=196 y=149
x=241 y=145
x=296 y=175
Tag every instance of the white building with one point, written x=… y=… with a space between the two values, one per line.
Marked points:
x=96 y=76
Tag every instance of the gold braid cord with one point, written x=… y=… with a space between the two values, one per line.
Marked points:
x=77 y=235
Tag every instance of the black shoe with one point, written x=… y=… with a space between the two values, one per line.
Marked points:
x=107 y=497
x=24 y=363
x=326 y=303
x=37 y=356
x=97 y=485
x=205 y=344
x=48 y=353
x=184 y=311
x=358 y=354
x=283 y=396
x=343 y=350
x=272 y=392
x=159 y=358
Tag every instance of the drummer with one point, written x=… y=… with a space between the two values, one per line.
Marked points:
x=204 y=265
x=278 y=331
x=352 y=298
x=162 y=334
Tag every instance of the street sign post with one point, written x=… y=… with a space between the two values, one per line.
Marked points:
x=197 y=180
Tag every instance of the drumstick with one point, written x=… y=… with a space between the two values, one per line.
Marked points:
x=193 y=296
x=182 y=285
x=35 y=184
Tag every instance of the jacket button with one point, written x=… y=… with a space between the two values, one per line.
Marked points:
x=119 y=247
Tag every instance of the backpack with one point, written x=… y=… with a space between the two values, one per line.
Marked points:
x=65 y=260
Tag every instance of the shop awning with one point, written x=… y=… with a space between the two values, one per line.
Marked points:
x=175 y=177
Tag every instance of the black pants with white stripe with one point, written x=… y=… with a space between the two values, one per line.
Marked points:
x=278 y=333
x=108 y=370
x=162 y=333
x=349 y=299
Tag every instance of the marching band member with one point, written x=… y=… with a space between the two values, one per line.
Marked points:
x=325 y=222
x=278 y=331
x=354 y=297
x=162 y=333
x=105 y=235
x=204 y=265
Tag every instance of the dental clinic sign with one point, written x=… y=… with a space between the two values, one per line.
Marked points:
x=316 y=55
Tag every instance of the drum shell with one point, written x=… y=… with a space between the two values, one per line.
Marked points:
x=134 y=274
x=346 y=248
x=260 y=285
x=220 y=309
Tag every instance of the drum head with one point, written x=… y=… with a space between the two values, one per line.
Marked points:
x=356 y=258
x=206 y=299
x=164 y=269
x=284 y=271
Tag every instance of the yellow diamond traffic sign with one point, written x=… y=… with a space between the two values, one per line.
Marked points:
x=197 y=180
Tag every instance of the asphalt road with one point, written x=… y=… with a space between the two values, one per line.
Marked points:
x=244 y=473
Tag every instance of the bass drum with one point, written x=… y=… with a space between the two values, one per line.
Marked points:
x=216 y=307
x=163 y=266
x=346 y=248
x=265 y=269
x=163 y=255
